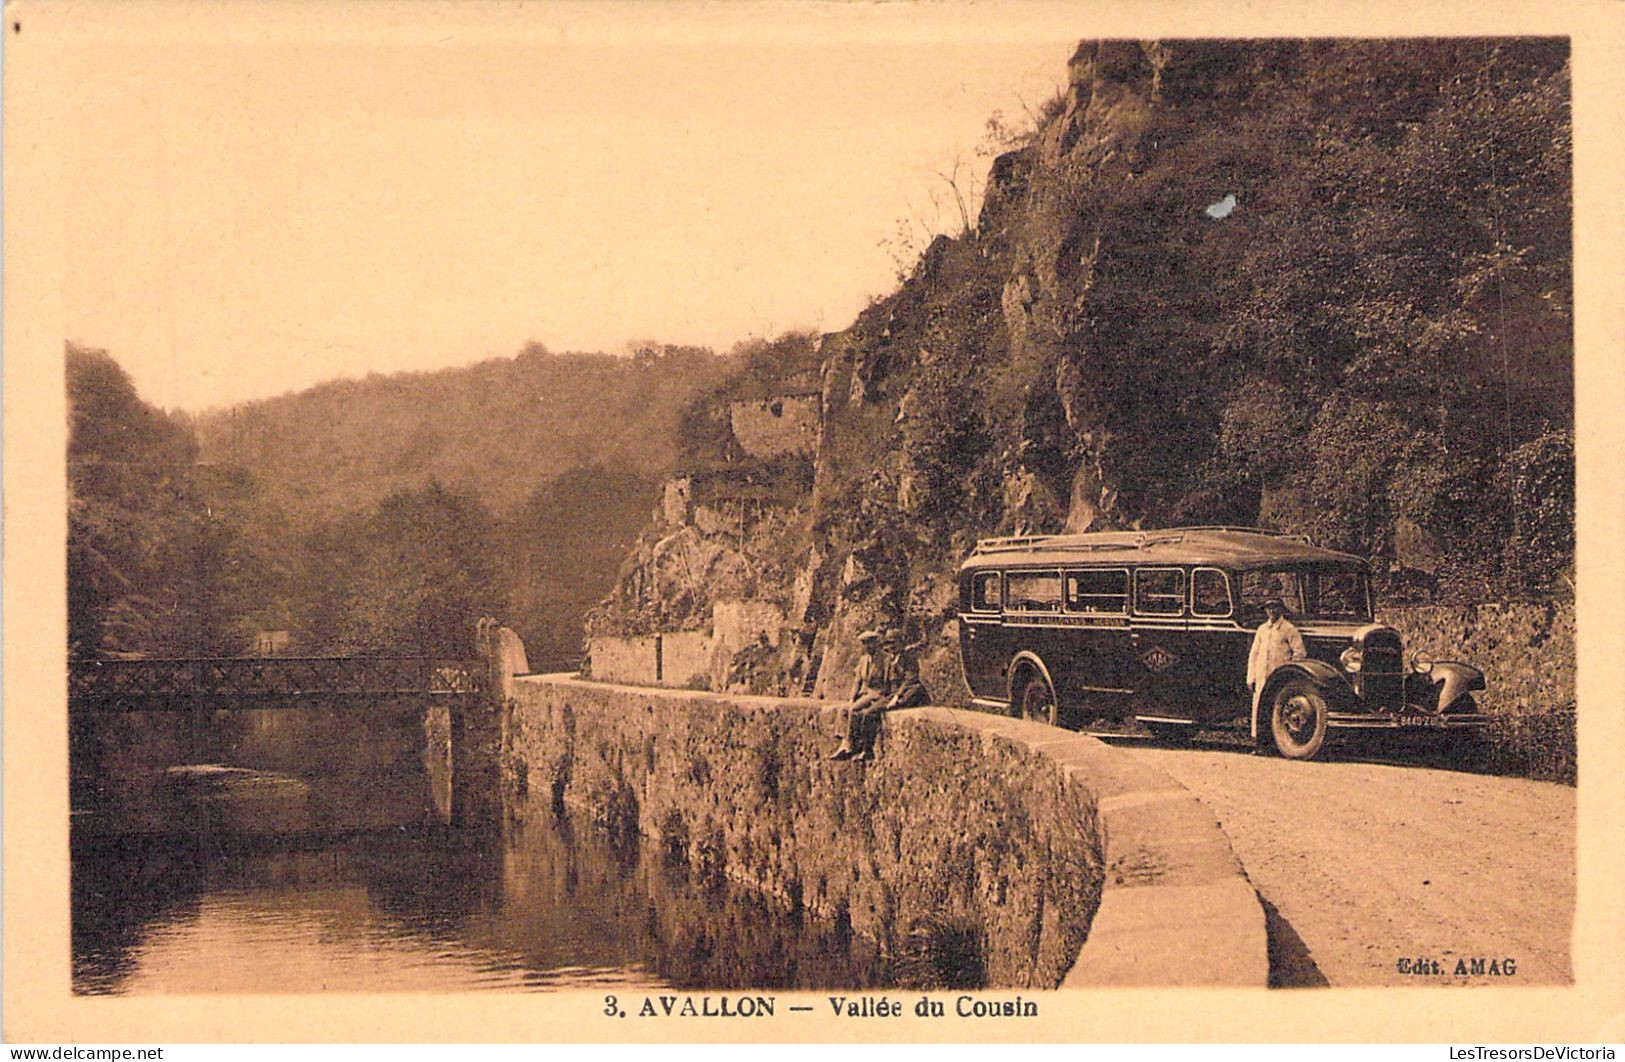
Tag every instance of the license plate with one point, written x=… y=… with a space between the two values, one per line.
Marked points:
x=1425 y=722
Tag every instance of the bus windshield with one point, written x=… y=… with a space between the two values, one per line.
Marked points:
x=1324 y=592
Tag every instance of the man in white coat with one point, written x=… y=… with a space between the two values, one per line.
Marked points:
x=1276 y=643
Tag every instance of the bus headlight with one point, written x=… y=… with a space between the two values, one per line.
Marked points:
x=1351 y=659
x=1421 y=664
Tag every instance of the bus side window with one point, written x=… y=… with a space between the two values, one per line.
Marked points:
x=1159 y=591
x=985 y=592
x=1034 y=592
x=1100 y=592
x=1210 y=593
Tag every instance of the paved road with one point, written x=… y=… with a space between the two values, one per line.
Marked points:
x=1362 y=864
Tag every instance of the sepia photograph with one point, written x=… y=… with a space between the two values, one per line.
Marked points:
x=855 y=522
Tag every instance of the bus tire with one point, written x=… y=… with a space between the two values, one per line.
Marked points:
x=1037 y=700
x=1298 y=715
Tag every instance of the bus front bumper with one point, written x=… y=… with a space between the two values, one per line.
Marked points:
x=1406 y=721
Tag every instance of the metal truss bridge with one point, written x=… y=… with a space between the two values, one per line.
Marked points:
x=220 y=684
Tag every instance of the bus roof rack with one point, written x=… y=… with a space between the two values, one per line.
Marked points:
x=1088 y=542
x=1292 y=536
x=1083 y=544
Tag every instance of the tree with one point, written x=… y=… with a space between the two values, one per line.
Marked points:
x=421 y=570
x=152 y=564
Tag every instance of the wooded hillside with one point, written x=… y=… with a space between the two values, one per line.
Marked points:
x=496 y=430
x=381 y=515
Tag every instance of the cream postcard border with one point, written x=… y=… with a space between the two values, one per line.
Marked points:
x=38 y=1004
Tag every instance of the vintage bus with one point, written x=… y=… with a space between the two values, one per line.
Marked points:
x=1156 y=626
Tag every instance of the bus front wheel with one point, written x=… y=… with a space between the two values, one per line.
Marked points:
x=1298 y=720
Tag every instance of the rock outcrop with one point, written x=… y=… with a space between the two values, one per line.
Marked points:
x=1218 y=282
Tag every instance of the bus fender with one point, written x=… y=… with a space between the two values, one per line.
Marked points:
x=1454 y=680
x=1017 y=662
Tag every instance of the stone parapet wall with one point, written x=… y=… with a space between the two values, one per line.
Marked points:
x=966 y=827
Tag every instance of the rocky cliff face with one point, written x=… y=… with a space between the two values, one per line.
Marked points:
x=1323 y=286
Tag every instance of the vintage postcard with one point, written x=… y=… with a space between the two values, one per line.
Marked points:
x=813 y=522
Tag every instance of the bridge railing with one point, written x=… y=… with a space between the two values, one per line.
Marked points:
x=263 y=682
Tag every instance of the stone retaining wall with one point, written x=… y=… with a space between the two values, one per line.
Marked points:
x=685 y=659
x=1526 y=651
x=966 y=827
x=678 y=659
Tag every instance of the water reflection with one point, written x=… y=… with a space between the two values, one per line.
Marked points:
x=542 y=904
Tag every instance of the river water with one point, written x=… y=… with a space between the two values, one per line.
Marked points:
x=548 y=903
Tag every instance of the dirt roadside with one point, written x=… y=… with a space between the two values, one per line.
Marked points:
x=1367 y=867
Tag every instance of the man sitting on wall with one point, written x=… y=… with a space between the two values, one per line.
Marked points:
x=888 y=677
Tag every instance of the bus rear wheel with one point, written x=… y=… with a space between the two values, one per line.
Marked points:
x=1037 y=700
